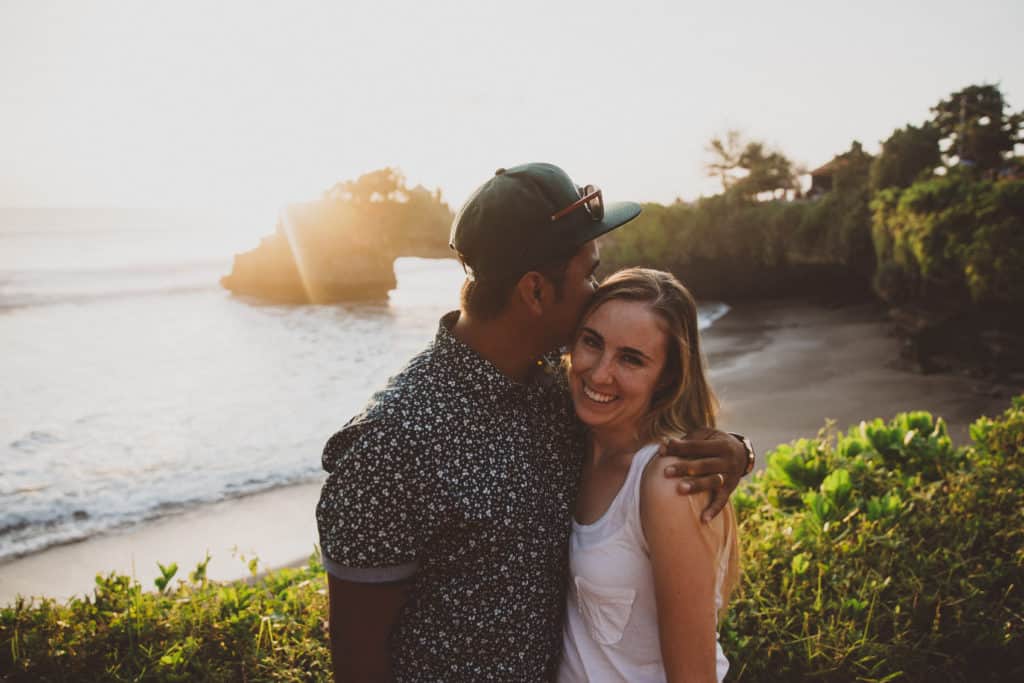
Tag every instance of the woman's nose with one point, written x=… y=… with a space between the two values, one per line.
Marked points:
x=601 y=374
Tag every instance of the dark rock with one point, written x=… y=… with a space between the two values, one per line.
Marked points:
x=315 y=256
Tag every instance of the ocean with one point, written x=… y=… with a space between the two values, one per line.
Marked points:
x=134 y=386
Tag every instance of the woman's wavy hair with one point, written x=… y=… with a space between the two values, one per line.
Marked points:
x=683 y=400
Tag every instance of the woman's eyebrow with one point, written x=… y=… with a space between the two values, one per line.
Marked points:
x=630 y=349
x=591 y=331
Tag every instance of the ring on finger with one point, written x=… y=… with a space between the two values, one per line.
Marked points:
x=721 y=480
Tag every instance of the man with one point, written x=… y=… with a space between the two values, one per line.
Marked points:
x=445 y=517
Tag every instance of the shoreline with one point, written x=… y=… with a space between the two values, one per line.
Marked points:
x=277 y=527
x=780 y=369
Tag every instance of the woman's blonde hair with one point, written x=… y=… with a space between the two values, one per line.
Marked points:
x=683 y=400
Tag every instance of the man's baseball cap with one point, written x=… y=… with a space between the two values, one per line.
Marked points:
x=527 y=216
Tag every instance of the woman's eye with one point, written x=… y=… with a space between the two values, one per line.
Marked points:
x=632 y=360
x=591 y=342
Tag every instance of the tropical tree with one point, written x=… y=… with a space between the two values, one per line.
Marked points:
x=977 y=128
x=905 y=155
x=767 y=171
x=383 y=185
x=725 y=152
x=749 y=168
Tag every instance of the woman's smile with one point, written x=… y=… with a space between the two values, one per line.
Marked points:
x=596 y=396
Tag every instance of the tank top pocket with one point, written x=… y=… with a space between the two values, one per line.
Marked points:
x=605 y=609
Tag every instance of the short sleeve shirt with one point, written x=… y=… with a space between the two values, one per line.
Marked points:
x=462 y=480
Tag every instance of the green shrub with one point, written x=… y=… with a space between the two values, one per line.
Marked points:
x=273 y=629
x=884 y=554
x=958 y=242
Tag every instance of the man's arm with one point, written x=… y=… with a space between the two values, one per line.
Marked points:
x=362 y=616
x=374 y=516
x=709 y=460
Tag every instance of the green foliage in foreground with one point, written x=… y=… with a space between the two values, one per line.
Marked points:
x=881 y=554
x=272 y=629
x=885 y=554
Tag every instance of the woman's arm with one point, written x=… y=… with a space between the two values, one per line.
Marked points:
x=684 y=558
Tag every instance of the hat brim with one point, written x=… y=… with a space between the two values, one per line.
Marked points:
x=616 y=214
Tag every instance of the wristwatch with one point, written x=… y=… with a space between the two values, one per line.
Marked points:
x=750 y=451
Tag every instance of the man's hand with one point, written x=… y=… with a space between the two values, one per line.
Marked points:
x=707 y=460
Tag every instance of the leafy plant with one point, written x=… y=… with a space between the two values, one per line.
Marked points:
x=884 y=553
x=273 y=629
x=166 y=574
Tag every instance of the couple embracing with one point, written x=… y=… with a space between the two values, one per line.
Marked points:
x=501 y=511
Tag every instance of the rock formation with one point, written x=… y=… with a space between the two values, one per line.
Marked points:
x=343 y=247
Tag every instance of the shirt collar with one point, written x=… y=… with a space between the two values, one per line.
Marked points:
x=472 y=369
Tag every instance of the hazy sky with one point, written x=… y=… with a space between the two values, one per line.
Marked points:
x=258 y=103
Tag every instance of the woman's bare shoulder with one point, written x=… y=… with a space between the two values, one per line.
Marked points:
x=661 y=495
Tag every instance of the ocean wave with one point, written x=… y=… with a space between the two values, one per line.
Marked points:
x=41 y=287
x=709 y=312
x=34 y=440
x=29 y=532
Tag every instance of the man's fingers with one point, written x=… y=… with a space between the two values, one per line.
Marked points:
x=698 y=449
x=696 y=468
x=717 y=485
x=708 y=482
x=718 y=500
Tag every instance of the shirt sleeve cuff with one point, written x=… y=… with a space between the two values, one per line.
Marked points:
x=370 y=574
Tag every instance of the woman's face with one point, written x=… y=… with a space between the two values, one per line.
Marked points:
x=617 y=360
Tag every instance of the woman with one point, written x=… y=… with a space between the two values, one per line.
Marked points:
x=647 y=578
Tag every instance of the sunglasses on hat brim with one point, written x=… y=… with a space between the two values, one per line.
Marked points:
x=590 y=199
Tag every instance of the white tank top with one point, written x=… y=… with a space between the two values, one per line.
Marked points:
x=611 y=625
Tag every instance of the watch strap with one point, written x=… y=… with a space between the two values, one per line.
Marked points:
x=751 y=457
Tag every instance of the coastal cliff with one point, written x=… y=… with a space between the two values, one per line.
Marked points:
x=342 y=247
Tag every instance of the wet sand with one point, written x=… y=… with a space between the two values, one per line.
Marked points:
x=780 y=370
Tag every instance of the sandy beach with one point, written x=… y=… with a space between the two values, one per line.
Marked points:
x=780 y=369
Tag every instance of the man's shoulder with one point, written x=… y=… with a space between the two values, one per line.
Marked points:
x=424 y=384
x=403 y=416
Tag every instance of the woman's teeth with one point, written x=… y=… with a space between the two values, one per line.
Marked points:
x=598 y=397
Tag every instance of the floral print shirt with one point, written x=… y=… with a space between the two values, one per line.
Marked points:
x=462 y=481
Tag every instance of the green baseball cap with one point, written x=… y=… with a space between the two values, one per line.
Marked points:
x=530 y=215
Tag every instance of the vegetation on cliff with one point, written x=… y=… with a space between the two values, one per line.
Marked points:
x=882 y=553
x=949 y=238
x=735 y=246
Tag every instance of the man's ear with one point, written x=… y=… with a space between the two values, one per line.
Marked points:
x=533 y=292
